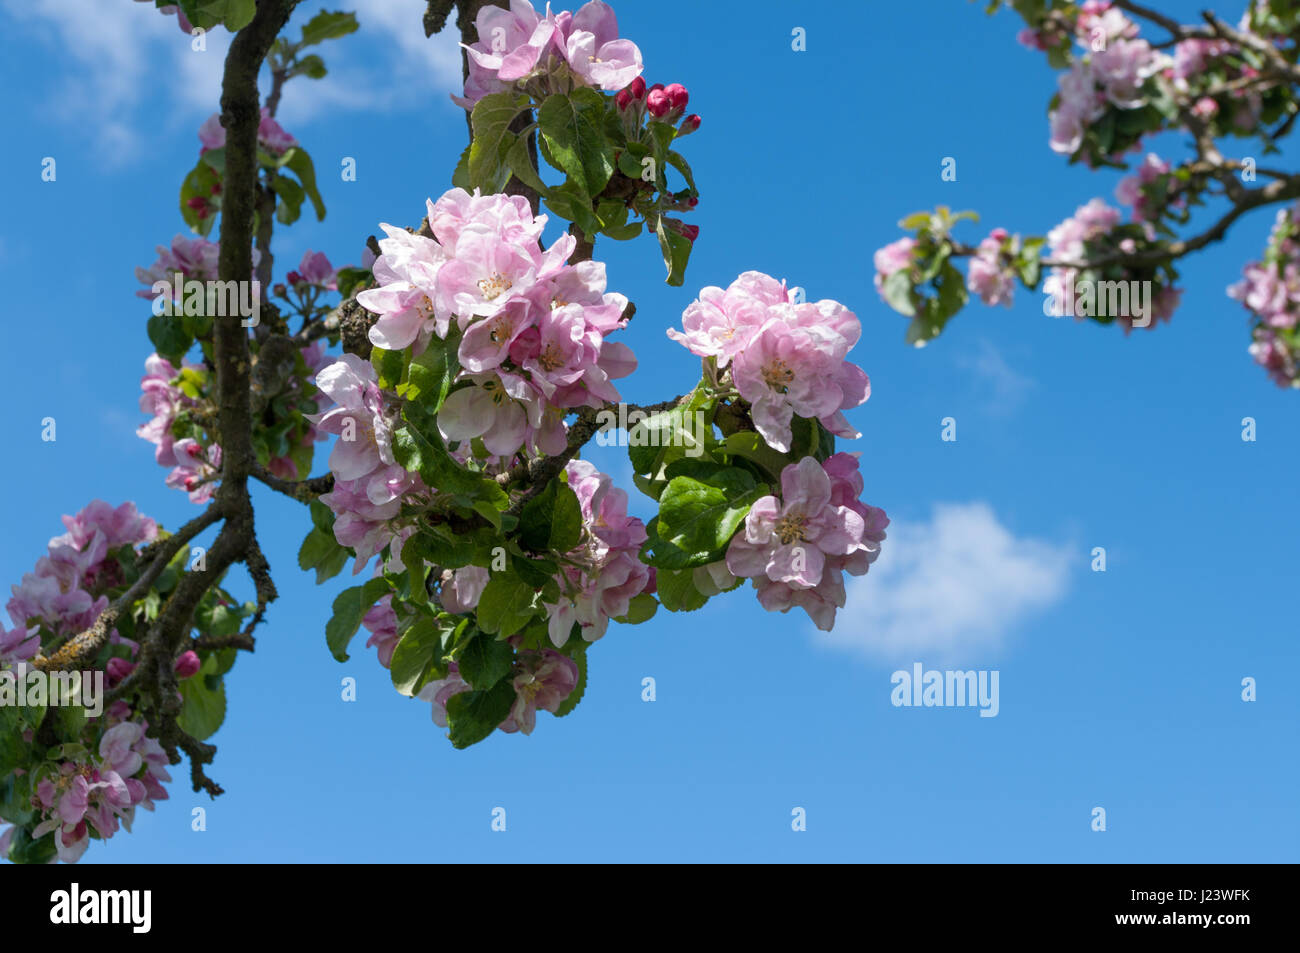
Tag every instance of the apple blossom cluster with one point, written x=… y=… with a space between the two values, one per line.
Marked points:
x=1136 y=191
x=605 y=572
x=542 y=680
x=796 y=547
x=271 y=138
x=1113 y=73
x=597 y=582
x=784 y=356
x=1270 y=291
x=173 y=398
x=532 y=326
x=195 y=258
x=1119 y=87
x=270 y=135
x=1094 y=230
x=89 y=787
x=990 y=274
x=518 y=45
x=369 y=483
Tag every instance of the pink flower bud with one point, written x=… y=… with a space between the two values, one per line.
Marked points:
x=692 y=201
x=622 y=99
x=188 y=664
x=677 y=95
x=690 y=232
x=637 y=88
x=294 y=278
x=1205 y=107
x=689 y=125
x=998 y=234
x=118 y=669
x=656 y=101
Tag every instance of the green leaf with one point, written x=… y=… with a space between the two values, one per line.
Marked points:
x=328 y=26
x=485 y=661
x=569 y=203
x=641 y=608
x=677 y=162
x=418 y=446
x=662 y=554
x=472 y=716
x=204 y=707
x=552 y=520
x=752 y=446
x=573 y=127
x=701 y=512
x=677 y=590
x=390 y=366
x=1028 y=262
x=460 y=175
x=239 y=14
x=490 y=121
x=432 y=372
x=297 y=159
x=676 y=249
x=198 y=184
x=897 y=290
x=311 y=66
x=520 y=162
x=416 y=657
x=168 y=336
x=291 y=197
x=579 y=655
x=349 y=606
x=506 y=606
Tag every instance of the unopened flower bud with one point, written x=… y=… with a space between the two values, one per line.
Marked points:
x=656 y=101
x=188 y=664
x=294 y=278
x=678 y=97
x=279 y=290
x=637 y=88
x=622 y=99
x=690 y=232
x=689 y=125
x=118 y=669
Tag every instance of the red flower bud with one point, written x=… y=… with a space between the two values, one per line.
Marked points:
x=197 y=203
x=622 y=99
x=690 y=232
x=637 y=88
x=118 y=669
x=294 y=278
x=656 y=101
x=689 y=125
x=692 y=201
x=188 y=664
x=677 y=95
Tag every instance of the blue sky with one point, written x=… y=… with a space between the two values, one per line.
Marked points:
x=1118 y=689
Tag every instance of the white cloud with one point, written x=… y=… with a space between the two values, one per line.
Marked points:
x=121 y=70
x=944 y=589
x=1004 y=387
